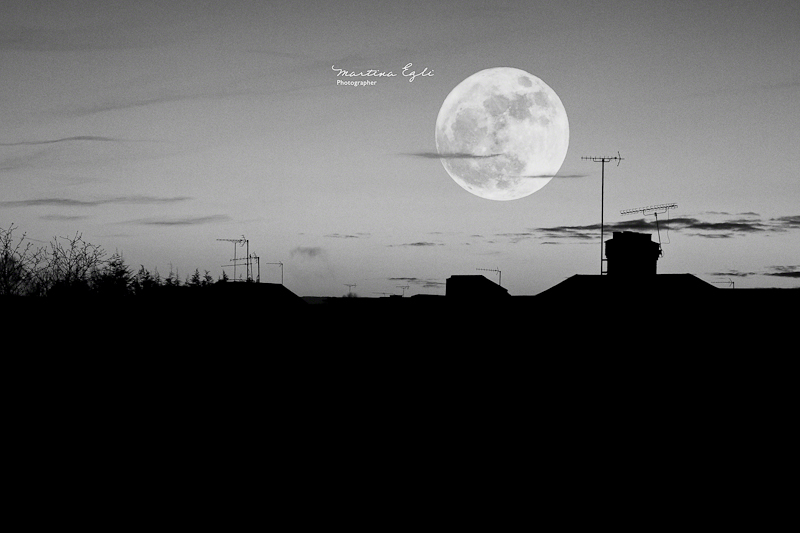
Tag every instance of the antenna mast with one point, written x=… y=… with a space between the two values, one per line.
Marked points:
x=258 y=266
x=729 y=282
x=602 y=160
x=350 y=287
x=404 y=287
x=248 y=258
x=235 y=242
x=652 y=210
x=499 y=274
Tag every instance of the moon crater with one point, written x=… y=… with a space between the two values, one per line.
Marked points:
x=502 y=133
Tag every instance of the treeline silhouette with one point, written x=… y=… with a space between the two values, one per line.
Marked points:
x=70 y=267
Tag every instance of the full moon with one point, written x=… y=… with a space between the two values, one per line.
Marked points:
x=502 y=133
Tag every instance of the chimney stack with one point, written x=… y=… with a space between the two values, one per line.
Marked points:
x=632 y=254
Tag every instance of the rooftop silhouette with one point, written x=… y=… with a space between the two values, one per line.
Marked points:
x=474 y=311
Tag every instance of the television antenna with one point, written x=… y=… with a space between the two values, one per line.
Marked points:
x=240 y=242
x=248 y=259
x=652 y=210
x=278 y=263
x=602 y=160
x=258 y=267
x=729 y=282
x=499 y=274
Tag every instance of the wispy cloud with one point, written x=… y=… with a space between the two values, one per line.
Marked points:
x=570 y=233
x=58 y=152
x=71 y=202
x=347 y=235
x=423 y=283
x=785 y=271
x=418 y=244
x=135 y=102
x=189 y=95
x=308 y=252
x=63 y=217
x=705 y=228
x=93 y=138
x=787 y=222
x=733 y=273
x=553 y=176
x=463 y=155
x=112 y=27
x=518 y=236
x=22 y=161
x=437 y=155
x=729 y=226
x=185 y=221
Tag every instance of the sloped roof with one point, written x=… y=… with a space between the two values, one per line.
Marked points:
x=267 y=293
x=473 y=286
x=668 y=285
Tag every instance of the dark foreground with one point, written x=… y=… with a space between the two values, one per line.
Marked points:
x=402 y=412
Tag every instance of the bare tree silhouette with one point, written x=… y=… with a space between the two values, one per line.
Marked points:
x=71 y=264
x=19 y=262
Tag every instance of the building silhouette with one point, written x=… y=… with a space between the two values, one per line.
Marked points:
x=631 y=305
x=631 y=254
x=473 y=287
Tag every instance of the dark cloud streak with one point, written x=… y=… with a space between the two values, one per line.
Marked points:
x=733 y=226
x=347 y=235
x=93 y=138
x=420 y=244
x=69 y=202
x=424 y=283
x=733 y=273
x=785 y=271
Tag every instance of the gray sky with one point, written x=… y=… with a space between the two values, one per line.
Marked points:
x=156 y=128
